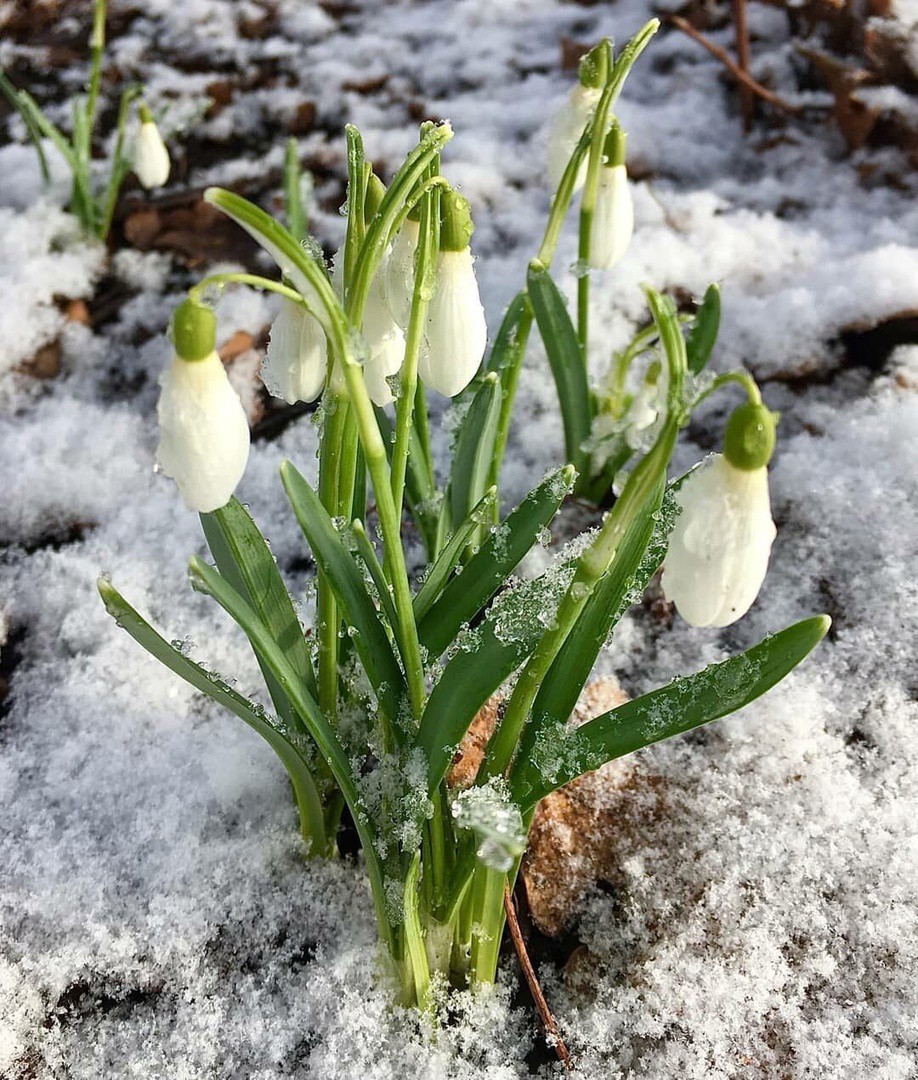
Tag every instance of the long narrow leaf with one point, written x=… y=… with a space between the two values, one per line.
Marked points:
x=245 y=560
x=448 y=559
x=338 y=565
x=474 y=450
x=468 y=592
x=207 y=579
x=703 y=335
x=567 y=367
x=627 y=577
x=282 y=740
x=481 y=663
x=562 y=754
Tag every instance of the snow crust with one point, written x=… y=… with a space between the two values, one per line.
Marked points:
x=157 y=918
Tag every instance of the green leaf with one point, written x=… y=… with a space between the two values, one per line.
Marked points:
x=505 y=353
x=294 y=261
x=245 y=560
x=209 y=581
x=420 y=493
x=467 y=593
x=282 y=740
x=338 y=565
x=562 y=754
x=625 y=579
x=484 y=658
x=473 y=450
x=703 y=334
x=447 y=560
x=567 y=367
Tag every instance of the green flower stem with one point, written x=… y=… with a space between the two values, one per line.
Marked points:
x=559 y=208
x=97 y=50
x=293 y=192
x=487 y=918
x=327 y=615
x=253 y=280
x=591 y=566
x=426 y=256
x=120 y=166
x=381 y=228
x=741 y=378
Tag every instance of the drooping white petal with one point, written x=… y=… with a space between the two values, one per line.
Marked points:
x=294 y=367
x=719 y=549
x=400 y=272
x=613 y=218
x=382 y=365
x=566 y=129
x=456 y=332
x=151 y=158
x=204 y=434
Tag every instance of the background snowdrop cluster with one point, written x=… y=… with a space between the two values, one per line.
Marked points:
x=155 y=916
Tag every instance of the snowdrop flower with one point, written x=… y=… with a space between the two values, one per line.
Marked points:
x=151 y=158
x=382 y=333
x=400 y=271
x=646 y=406
x=294 y=367
x=573 y=116
x=719 y=549
x=456 y=332
x=613 y=215
x=204 y=433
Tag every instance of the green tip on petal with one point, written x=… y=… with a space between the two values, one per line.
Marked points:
x=594 y=66
x=749 y=440
x=146 y=117
x=376 y=190
x=614 y=147
x=194 y=330
x=456 y=226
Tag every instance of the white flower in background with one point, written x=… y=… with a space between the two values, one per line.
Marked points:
x=456 y=332
x=613 y=215
x=400 y=271
x=646 y=406
x=294 y=367
x=566 y=129
x=151 y=158
x=382 y=365
x=720 y=545
x=204 y=433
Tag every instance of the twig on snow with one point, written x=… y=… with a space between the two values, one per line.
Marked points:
x=552 y=1032
x=730 y=64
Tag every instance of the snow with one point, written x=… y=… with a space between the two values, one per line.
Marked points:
x=157 y=917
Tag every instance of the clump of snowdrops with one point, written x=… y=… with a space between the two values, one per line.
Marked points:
x=93 y=198
x=371 y=705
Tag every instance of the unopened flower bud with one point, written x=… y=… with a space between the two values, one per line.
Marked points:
x=151 y=158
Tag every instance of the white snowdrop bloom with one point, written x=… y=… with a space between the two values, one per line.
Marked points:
x=566 y=129
x=720 y=545
x=613 y=218
x=382 y=365
x=456 y=333
x=151 y=158
x=613 y=215
x=204 y=433
x=295 y=364
x=648 y=403
x=400 y=271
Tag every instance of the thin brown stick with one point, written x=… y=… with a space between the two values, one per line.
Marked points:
x=552 y=1032
x=747 y=80
x=744 y=58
